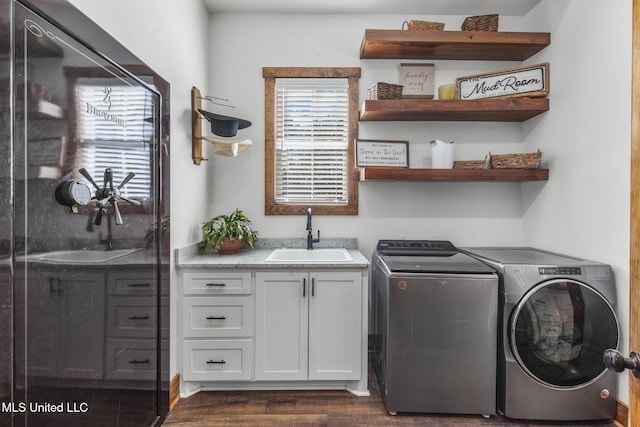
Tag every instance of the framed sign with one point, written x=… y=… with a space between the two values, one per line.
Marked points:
x=532 y=81
x=372 y=152
x=417 y=80
x=47 y=151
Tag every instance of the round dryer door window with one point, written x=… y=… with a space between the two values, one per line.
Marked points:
x=559 y=331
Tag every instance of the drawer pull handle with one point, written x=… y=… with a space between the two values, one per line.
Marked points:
x=219 y=285
x=139 y=318
x=139 y=362
x=216 y=318
x=138 y=285
x=216 y=362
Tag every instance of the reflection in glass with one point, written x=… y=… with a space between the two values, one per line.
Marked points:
x=86 y=333
x=113 y=128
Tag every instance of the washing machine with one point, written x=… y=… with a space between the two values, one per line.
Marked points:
x=435 y=312
x=556 y=318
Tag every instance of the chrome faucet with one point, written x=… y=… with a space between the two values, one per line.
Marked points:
x=310 y=239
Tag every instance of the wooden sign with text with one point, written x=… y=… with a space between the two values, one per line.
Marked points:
x=418 y=80
x=531 y=81
x=372 y=152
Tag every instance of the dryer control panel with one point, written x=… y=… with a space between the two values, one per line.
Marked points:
x=560 y=271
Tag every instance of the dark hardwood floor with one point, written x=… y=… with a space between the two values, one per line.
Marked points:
x=318 y=408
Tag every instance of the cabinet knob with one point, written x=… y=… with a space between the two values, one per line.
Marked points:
x=216 y=318
x=216 y=362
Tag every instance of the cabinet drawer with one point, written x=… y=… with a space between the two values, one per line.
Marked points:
x=132 y=283
x=134 y=359
x=223 y=360
x=216 y=283
x=217 y=317
x=135 y=317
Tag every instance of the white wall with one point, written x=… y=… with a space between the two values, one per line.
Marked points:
x=467 y=214
x=582 y=210
x=171 y=37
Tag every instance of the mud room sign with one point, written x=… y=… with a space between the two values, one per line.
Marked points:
x=532 y=81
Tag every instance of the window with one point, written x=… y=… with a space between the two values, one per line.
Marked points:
x=113 y=131
x=310 y=127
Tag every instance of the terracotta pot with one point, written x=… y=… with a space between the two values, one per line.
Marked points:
x=229 y=247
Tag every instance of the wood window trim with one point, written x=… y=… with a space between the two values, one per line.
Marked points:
x=270 y=74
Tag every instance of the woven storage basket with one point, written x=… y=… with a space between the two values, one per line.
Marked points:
x=481 y=23
x=470 y=164
x=516 y=161
x=385 y=91
x=423 y=25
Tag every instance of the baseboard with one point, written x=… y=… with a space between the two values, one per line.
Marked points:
x=174 y=391
x=622 y=415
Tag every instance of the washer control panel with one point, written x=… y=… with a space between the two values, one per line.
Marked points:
x=417 y=247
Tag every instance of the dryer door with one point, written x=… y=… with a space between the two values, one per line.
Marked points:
x=559 y=330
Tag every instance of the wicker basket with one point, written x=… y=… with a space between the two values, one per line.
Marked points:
x=516 y=161
x=423 y=25
x=481 y=23
x=385 y=91
x=470 y=164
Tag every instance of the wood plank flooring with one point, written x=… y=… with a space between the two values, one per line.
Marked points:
x=318 y=408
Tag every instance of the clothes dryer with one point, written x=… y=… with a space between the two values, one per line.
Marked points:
x=557 y=316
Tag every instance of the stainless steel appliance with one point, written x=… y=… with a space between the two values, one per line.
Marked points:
x=557 y=316
x=435 y=328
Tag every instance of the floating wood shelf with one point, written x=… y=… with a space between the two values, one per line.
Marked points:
x=400 y=174
x=43 y=109
x=457 y=45
x=484 y=110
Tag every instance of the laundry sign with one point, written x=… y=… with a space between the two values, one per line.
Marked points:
x=532 y=81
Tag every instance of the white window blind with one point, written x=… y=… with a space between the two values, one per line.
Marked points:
x=114 y=132
x=312 y=139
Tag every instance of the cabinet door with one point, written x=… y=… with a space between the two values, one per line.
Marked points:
x=281 y=325
x=65 y=322
x=42 y=324
x=82 y=319
x=335 y=326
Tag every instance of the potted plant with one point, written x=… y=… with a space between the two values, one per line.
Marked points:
x=227 y=234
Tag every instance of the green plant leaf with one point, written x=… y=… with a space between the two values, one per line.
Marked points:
x=233 y=226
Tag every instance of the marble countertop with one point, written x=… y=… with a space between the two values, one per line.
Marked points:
x=189 y=257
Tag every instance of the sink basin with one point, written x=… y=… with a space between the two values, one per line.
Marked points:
x=82 y=256
x=310 y=255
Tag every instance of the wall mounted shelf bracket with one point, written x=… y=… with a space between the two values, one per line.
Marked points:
x=196 y=126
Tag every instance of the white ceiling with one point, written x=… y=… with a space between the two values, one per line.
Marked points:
x=415 y=7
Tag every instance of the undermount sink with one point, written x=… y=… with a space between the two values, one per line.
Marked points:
x=82 y=255
x=310 y=255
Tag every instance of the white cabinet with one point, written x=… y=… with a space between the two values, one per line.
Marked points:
x=217 y=326
x=308 y=325
x=65 y=312
x=261 y=328
x=132 y=313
